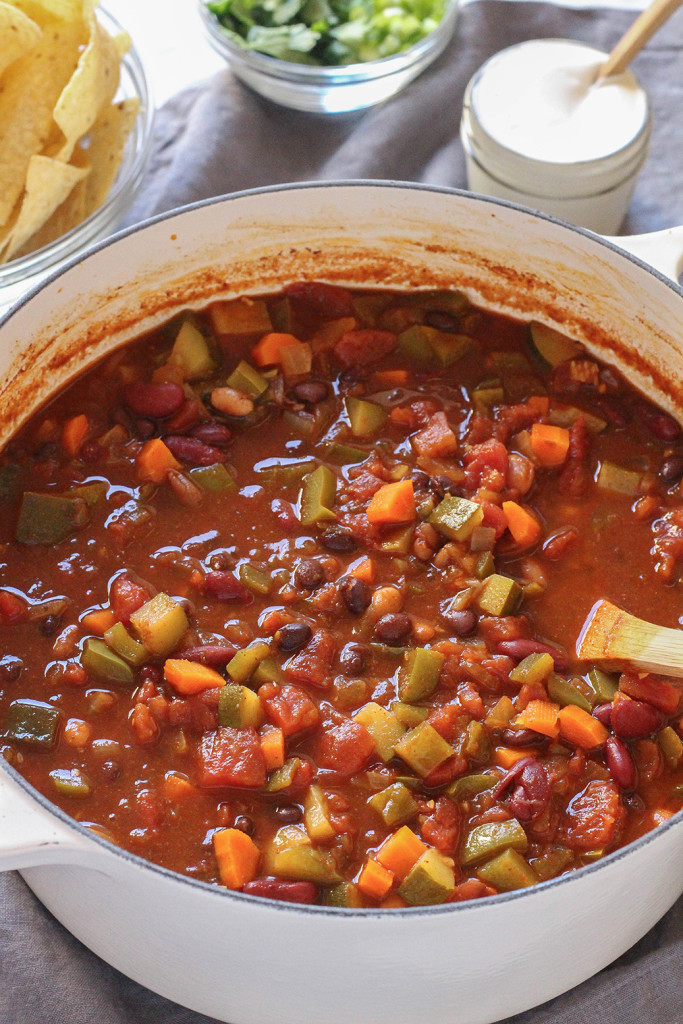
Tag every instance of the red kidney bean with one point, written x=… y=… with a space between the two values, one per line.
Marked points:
x=603 y=713
x=531 y=789
x=278 y=889
x=226 y=587
x=462 y=622
x=214 y=655
x=523 y=648
x=671 y=469
x=659 y=423
x=185 y=490
x=91 y=452
x=144 y=429
x=188 y=414
x=557 y=543
x=154 y=400
x=634 y=719
x=192 y=450
x=150 y=674
x=523 y=738
x=216 y=434
x=620 y=763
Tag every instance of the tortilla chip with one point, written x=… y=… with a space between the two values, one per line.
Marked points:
x=30 y=90
x=48 y=183
x=90 y=89
x=18 y=34
x=67 y=216
x=106 y=145
x=63 y=10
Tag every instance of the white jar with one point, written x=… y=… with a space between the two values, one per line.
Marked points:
x=540 y=131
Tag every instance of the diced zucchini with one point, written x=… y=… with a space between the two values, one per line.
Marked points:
x=423 y=749
x=422 y=343
x=430 y=881
x=469 y=786
x=283 y=777
x=486 y=395
x=122 y=643
x=563 y=692
x=191 y=353
x=499 y=595
x=92 y=494
x=485 y=566
x=501 y=714
x=603 y=684
x=456 y=517
x=49 y=518
x=317 y=497
x=448 y=347
x=618 y=479
x=398 y=541
x=365 y=417
x=567 y=415
x=487 y=840
x=383 y=726
x=70 y=782
x=245 y=378
x=284 y=472
x=240 y=316
x=101 y=661
x=419 y=675
x=317 y=815
x=215 y=479
x=239 y=707
x=257 y=580
x=34 y=723
x=671 y=745
x=346 y=894
x=160 y=623
x=290 y=854
x=10 y=481
x=507 y=871
x=550 y=346
x=533 y=669
x=408 y=714
x=395 y=804
x=477 y=744
x=344 y=454
x=244 y=663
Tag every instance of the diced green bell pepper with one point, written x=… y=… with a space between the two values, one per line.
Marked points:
x=533 y=669
x=317 y=497
x=455 y=518
x=419 y=675
x=469 y=786
x=34 y=723
x=564 y=692
x=49 y=518
x=507 y=871
x=70 y=782
x=101 y=661
x=487 y=840
x=499 y=595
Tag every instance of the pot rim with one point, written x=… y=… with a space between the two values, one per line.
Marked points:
x=214 y=891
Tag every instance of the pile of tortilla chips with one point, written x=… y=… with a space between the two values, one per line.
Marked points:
x=62 y=137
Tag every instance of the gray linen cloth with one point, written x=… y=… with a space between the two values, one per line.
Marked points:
x=219 y=137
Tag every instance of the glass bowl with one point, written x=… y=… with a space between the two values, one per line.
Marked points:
x=335 y=89
x=19 y=275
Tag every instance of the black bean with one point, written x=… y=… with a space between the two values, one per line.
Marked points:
x=353 y=660
x=244 y=823
x=671 y=469
x=461 y=622
x=287 y=813
x=292 y=636
x=308 y=574
x=310 y=392
x=221 y=560
x=49 y=625
x=393 y=628
x=338 y=539
x=10 y=668
x=110 y=770
x=356 y=594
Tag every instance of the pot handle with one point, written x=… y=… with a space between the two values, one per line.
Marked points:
x=30 y=835
x=663 y=250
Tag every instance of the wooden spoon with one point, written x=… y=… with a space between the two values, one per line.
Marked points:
x=610 y=634
x=640 y=32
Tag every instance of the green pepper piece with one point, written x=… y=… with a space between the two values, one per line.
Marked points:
x=603 y=684
x=485 y=566
x=419 y=676
x=533 y=669
x=191 y=353
x=456 y=517
x=49 y=518
x=119 y=639
x=160 y=623
x=34 y=723
x=244 y=663
x=239 y=707
x=215 y=479
x=477 y=745
x=430 y=881
x=671 y=746
x=70 y=782
x=256 y=580
x=98 y=659
x=507 y=871
x=423 y=749
x=10 y=477
x=395 y=804
x=245 y=378
x=501 y=714
x=469 y=786
x=500 y=595
x=365 y=417
x=317 y=497
x=563 y=692
x=407 y=714
x=551 y=863
x=92 y=494
x=346 y=894
x=344 y=454
x=285 y=473
x=485 y=841
x=383 y=726
x=283 y=777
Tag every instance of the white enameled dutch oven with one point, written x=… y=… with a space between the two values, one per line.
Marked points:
x=252 y=961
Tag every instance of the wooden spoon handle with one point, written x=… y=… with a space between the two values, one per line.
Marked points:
x=610 y=634
x=640 y=32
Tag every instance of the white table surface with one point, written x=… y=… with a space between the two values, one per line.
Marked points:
x=170 y=39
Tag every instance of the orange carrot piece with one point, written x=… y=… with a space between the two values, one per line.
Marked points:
x=400 y=851
x=273 y=618
x=522 y=524
x=155 y=460
x=268 y=350
x=237 y=855
x=505 y=757
x=273 y=748
x=191 y=676
x=74 y=433
x=375 y=880
x=177 y=788
x=580 y=728
x=549 y=444
x=393 y=503
x=540 y=716
x=98 y=621
x=402 y=416
x=390 y=378
x=392 y=902
x=539 y=405
x=364 y=569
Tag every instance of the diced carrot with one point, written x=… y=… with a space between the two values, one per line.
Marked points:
x=268 y=350
x=540 y=716
x=99 y=621
x=237 y=855
x=393 y=902
x=505 y=757
x=522 y=524
x=661 y=693
x=273 y=747
x=155 y=460
x=375 y=880
x=393 y=503
x=390 y=378
x=273 y=618
x=539 y=405
x=176 y=787
x=402 y=416
x=364 y=569
x=549 y=444
x=400 y=851
x=74 y=433
x=191 y=676
x=577 y=726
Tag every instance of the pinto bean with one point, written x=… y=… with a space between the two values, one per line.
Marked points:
x=634 y=719
x=192 y=450
x=154 y=400
x=231 y=402
x=620 y=763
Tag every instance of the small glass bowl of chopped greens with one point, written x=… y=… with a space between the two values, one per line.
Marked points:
x=328 y=56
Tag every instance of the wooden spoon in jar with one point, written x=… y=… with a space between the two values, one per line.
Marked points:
x=640 y=32
x=610 y=634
